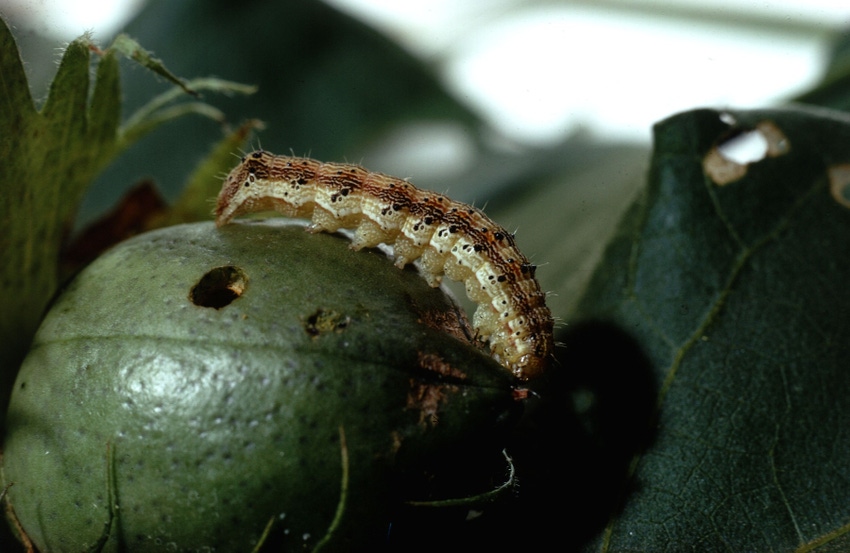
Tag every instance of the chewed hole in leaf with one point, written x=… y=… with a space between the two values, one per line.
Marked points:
x=727 y=161
x=839 y=183
x=219 y=287
x=745 y=148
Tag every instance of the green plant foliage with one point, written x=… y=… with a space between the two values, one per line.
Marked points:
x=733 y=281
x=50 y=157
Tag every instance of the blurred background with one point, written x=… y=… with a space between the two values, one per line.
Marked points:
x=538 y=69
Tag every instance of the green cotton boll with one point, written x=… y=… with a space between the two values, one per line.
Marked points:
x=211 y=388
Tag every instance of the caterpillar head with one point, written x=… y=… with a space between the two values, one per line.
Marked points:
x=259 y=183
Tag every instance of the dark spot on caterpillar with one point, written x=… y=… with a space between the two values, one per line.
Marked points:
x=453 y=229
x=478 y=247
x=345 y=191
x=499 y=236
x=502 y=278
x=257 y=155
x=301 y=180
x=396 y=207
x=428 y=220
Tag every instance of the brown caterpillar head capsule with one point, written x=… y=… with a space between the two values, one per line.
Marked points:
x=531 y=355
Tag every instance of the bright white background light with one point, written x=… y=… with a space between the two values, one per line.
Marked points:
x=538 y=70
x=71 y=18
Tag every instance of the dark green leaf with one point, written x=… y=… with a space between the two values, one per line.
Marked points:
x=736 y=290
